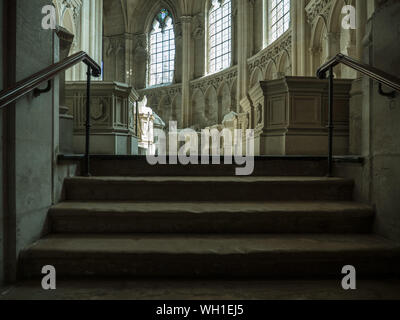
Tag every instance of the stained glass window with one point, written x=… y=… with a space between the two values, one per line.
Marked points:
x=279 y=15
x=220 y=35
x=162 y=49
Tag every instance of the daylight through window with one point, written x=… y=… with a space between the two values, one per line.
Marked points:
x=162 y=49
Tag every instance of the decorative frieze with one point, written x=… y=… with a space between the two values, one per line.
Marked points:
x=228 y=76
x=272 y=52
x=318 y=8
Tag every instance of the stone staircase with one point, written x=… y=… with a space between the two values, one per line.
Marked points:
x=204 y=222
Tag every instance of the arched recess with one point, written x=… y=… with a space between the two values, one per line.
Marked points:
x=164 y=107
x=256 y=77
x=211 y=106
x=271 y=71
x=319 y=45
x=224 y=101
x=144 y=14
x=198 y=109
x=233 y=96
x=284 y=66
x=176 y=109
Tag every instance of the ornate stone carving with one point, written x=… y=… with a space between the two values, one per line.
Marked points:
x=228 y=75
x=198 y=26
x=318 y=8
x=272 y=52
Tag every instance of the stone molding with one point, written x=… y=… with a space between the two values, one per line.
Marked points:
x=272 y=52
x=317 y=8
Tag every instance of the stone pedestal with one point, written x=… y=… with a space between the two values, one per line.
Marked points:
x=113 y=117
x=290 y=116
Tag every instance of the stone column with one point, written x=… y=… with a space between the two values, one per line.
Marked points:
x=293 y=22
x=361 y=20
x=332 y=41
x=186 y=68
x=242 y=50
x=303 y=45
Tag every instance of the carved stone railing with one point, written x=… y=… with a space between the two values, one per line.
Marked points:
x=228 y=75
x=113 y=116
x=273 y=54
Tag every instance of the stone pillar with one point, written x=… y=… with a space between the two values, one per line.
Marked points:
x=90 y=36
x=333 y=44
x=303 y=45
x=242 y=81
x=361 y=18
x=186 y=68
x=293 y=22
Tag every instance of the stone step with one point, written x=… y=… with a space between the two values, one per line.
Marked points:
x=264 y=166
x=165 y=255
x=208 y=188
x=211 y=217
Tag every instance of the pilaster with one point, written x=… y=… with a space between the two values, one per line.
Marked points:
x=186 y=67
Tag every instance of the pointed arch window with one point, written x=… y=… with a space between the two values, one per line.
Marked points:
x=219 y=35
x=279 y=18
x=162 y=49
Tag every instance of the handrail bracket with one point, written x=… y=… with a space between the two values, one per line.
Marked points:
x=37 y=92
x=391 y=94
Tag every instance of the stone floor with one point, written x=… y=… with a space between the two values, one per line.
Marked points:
x=204 y=290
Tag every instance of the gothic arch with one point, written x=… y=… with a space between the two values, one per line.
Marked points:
x=271 y=71
x=334 y=21
x=149 y=14
x=256 y=77
x=318 y=49
x=284 y=65
x=198 y=108
x=233 y=96
x=224 y=101
x=176 y=109
x=164 y=107
x=211 y=106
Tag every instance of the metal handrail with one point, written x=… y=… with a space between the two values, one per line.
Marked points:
x=382 y=77
x=32 y=83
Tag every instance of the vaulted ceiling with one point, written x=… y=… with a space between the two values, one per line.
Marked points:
x=131 y=15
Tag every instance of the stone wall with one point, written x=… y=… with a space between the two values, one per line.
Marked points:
x=29 y=135
x=385 y=119
x=377 y=180
x=1 y=149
